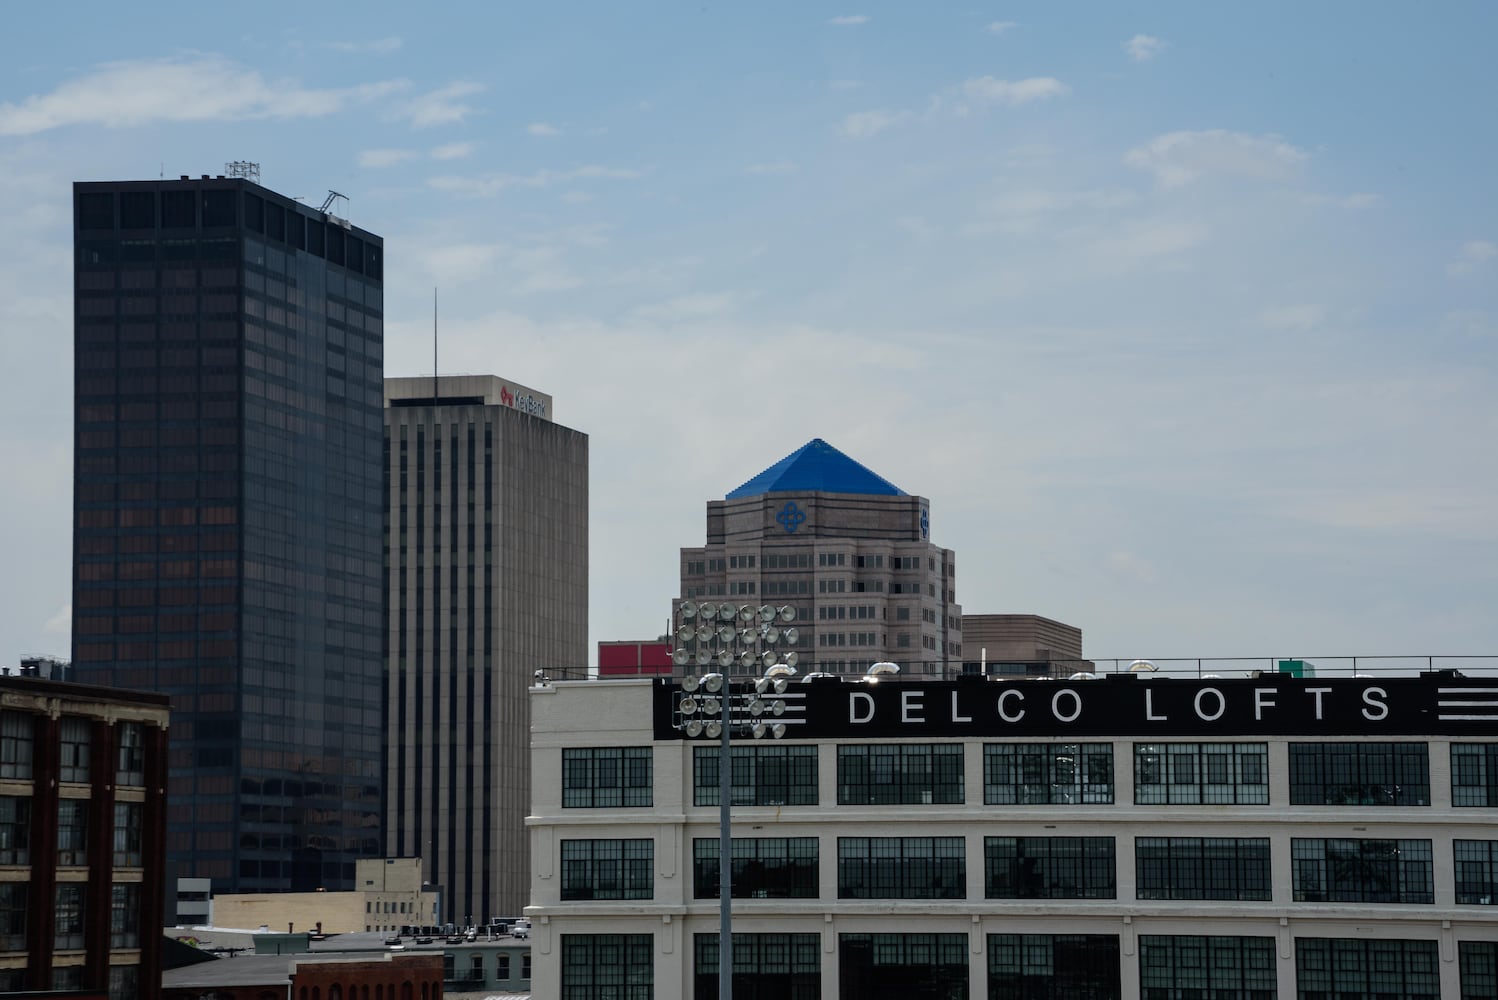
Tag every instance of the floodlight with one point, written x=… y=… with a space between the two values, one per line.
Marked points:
x=689 y=684
x=792 y=657
x=713 y=683
x=694 y=728
x=766 y=613
x=770 y=657
x=746 y=658
x=708 y=610
x=790 y=635
x=688 y=609
x=778 y=730
x=714 y=730
x=704 y=657
x=687 y=705
x=686 y=633
x=680 y=656
x=787 y=614
x=725 y=658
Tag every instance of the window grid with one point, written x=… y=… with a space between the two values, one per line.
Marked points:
x=1361 y=871
x=765 y=966
x=606 y=777
x=901 y=868
x=1474 y=774
x=1053 y=966
x=127 y=834
x=607 y=967
x=763 y=868
x=900 y=774
x=68 y=917
x=1356 y=969
x=130 y=766
x=1049 y=868
x=124 y=916
x=1047 y=773
x=1476 y=863
x=72 y=832
x=1359 y=774
x=763 y=775
x=902 y=964
x=13 y=916
x=17 y=736
x=1201 y=773
x=15 y=830
x=608 y=869
x=1479 y=969
x=1223 y=968
x=1202 y=868
x=74 y=734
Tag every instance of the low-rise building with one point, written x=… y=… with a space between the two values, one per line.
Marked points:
x=390 y=895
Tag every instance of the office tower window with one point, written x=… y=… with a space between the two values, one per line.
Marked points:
x=763 y=868
x=763 y=775
x=130 y=767
x=1476 y=871
x=901 y=868
x=1224 y=968
x=72 y=832
x=1047 y=773
x=1201 y=773
x=899 y=774
x=1202 y=867
x=1474 y=774
x=1053 y=966
x=903 y=965
x=602 y=777
x=128 y=817
x=68 y=916
x=1361 y=871
x=608 y=967
x=1362 y=969
x=15 y=830
x=1359 y=774
x=765 y=966
x=608 y=869
x=16 y=742
x=124 y=916
x=1049 y=868
x=13 y=916
x=1478 y=961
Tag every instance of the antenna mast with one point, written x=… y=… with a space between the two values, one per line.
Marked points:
x=434 y=345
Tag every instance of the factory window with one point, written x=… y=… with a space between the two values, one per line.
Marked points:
x=901 y=868
x=1359 y=774
x=124 y=916
x=608 y=966
x=608 y=869
x=763 y=868
x=765 y=966
x=1361 y=871
x=1479 y=969
x=899 y=774
x=130 y=768
x=1202 y=868
x=127 y=834
x=74 y=733
x=1049 y=868
x=1476 y=871
x=1047 y=773
x=72 y=832
x=13 y=916
x=602 y=777
x=1364 y=969
x=1201 y=773
x=15 y=830
x=1050 y=966
x=1225 y=968
x=762 y=775
x=68 y=916
x=903 y=965
x=1474 y=774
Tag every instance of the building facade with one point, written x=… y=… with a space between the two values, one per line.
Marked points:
x=487 y=582
x=227 y=513
x=1021 y=646
x=851 y=552
x=1155 y=838
x=391 y=895
x=82 y=834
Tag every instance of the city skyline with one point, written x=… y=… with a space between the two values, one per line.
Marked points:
x=1183 y=319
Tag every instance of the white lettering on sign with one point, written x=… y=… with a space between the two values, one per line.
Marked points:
x=1382 y=708
x=1003 y=713
x=1076 y=705
x=910 y=705
x=854 y=699
x=1222 y=705
x=1261 y=702
x=956 y=715
x=526 y=403
x=1318 y=692
x=1149 y=707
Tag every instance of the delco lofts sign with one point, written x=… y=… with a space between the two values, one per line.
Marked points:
x=1430 y=705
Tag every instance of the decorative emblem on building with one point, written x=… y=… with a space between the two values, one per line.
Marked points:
x=791 y=517
x=925 y=524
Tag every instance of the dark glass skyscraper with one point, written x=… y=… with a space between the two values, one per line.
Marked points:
x=227 y=519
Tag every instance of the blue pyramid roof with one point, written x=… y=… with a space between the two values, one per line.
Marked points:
x=817 y=467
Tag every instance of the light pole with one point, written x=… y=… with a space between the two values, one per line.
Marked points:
x=728 y=636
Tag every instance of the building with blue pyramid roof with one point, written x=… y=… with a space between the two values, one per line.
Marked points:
x=848 y=549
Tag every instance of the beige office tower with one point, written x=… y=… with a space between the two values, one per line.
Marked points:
x=486 y=542
x=848 y=550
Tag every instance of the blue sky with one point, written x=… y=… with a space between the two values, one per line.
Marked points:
x=1182 y=315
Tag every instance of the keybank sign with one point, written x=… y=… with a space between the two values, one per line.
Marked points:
x=1148 y=708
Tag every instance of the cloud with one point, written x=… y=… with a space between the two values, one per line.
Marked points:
x=377 y=158
x=999 y=27
x=1143 y=48
x=1303 y=316
x=987 y=90
x=206 y=88
x=489 y=185
x=377 y=46
x=542 y=129
x=848 y=20
x=846 y=84
x=1473 y=256
x=774 y=168
x=452 y=151
x=61 y=623
x=863 y=124
x=686 y=308
x=1179 y=158
x=438 y=107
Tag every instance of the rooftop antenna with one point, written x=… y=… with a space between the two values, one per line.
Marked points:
x=243 y=168
x=434 y=345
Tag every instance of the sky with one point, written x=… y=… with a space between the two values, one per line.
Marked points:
x=1183 y=316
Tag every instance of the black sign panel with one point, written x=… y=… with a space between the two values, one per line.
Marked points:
x=1429 y=705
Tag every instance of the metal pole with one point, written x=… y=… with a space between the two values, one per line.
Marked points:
x=725 y=853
